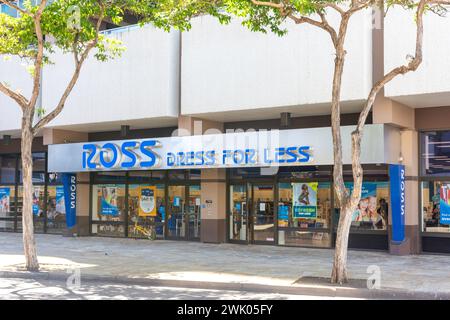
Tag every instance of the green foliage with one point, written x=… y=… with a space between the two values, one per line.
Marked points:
x=264 y=17
x=70 y=25
x=40 y=111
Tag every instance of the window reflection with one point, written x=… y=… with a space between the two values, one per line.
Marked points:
x=435 y=157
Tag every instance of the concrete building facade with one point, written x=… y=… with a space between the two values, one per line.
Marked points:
x=223 y=135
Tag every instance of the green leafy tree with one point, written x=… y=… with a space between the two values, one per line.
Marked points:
x=73 y=27
x=270 y=15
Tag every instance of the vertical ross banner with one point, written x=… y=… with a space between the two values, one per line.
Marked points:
x=305 y=200
x=70 y=198
x=397 y=185
x=444 y=204
x=147 y=203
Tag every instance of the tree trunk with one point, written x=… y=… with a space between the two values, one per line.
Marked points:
x=29 y=244
x=339 y=272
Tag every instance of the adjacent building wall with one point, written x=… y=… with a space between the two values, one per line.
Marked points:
x=255 y=76
x=140 y=88
x=429 y=86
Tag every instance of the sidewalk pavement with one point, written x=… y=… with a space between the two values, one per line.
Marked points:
x=227 y=266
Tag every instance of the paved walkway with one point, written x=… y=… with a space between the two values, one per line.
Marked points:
x=224 y=263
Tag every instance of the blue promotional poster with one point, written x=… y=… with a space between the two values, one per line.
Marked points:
x=397 y=184
x=176 y=201
x=304 y=202
x=444 y=204
x=109 y=201
x=5 y=194
x=162 y=212
x=283 y=216
x=36 y=192
x=70 y=198
x=60 y=203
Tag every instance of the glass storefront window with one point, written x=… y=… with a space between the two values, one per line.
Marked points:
x=304 y=172
x=55 y=178
x=39 y=168
x=177 y=175
x=38 y=207
x=108 y=205
x=194 y=174
x=145 y=176
x=8 y=169
x=435 y=206
x=435 y=155
x=373 y=208
x=7 y=208
x=110 y=176
x=304 y=238
x=56 y=211
x=148 y=212
x=312 y=204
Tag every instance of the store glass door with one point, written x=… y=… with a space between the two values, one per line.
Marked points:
x=193 y=213
x=176 y=224
x=262 y=221
x=238 y=214
x=183 y=222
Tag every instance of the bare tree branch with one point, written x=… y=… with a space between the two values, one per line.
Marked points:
x=268 y=4
x=12 y=5
x=412 y=65
x=79 y=61
x=333 y=6
x=39 y=56
x=19 y=98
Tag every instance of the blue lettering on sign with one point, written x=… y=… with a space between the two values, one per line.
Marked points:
x=288 y=155
x=106 y=159
x=127 y=151
x=141 y=154
x=70 y=198
x=111 y=155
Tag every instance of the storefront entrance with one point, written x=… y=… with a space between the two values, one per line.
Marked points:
x=252 y=213
x=184 y=216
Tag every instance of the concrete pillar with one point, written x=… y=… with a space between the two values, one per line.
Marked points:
x=83 y=182
x=213 y=204
x=213 y=183
x=57 y=136
x=190 y=126
x=409 y=149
